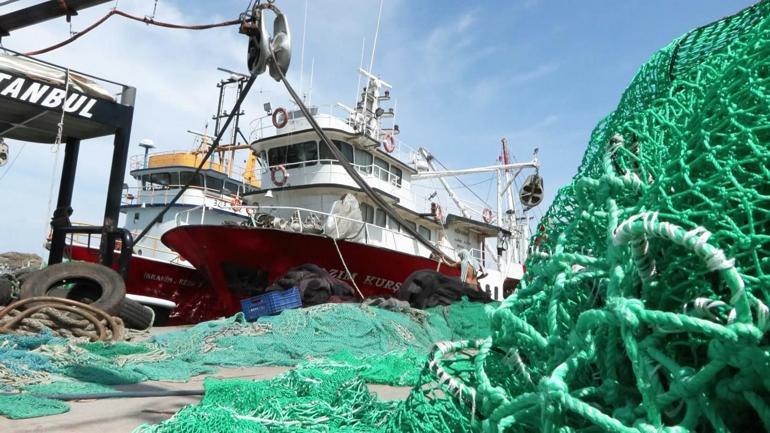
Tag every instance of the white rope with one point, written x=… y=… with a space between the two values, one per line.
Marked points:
x=347 y=271
x=56 y=149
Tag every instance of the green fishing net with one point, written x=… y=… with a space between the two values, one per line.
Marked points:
x=644 y=307
x=376 y=345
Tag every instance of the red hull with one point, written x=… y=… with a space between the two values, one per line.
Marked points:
x=195 y=299
x=376 y=271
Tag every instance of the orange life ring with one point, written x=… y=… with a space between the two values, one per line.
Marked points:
x=389 y=143
x=236 y=203
x=284 y=175
x=283 y=121
x=487 y=215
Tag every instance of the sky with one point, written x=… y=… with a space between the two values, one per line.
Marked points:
x=465 y=74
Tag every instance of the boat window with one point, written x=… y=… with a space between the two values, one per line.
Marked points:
x=392 y=224
x=174 y=181
x=346 y=149
x=292 y=154
x=364 y=161
x=382 y=169
x=325 y=155
x=185 y=177
x=308 y=151
x=213 y=183
x=262 y=159
x=277 y=155
x=380 y=217
x=231 y=188
x=424 y=231
x=397 y=175
x=410 y=224
x=160 y=179
x=367 y=213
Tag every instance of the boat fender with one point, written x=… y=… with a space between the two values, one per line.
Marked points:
x=389 y=143
x=437 y=212
x=280 y=121
x=279 y=180
x=236 y=203
x=487 y=215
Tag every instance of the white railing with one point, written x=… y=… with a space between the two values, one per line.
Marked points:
x=323 y=167
x=152 y=195
x=149 y=246
x=300 y=220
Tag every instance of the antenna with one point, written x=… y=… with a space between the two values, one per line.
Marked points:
x=360 y=66
x=310 y=91
x=302 y=55
x=376 y=34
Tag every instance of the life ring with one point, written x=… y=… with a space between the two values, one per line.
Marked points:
x=280 y=123
x=236 y=203
x=487 y=215
x=389 y=143
x=437 y=212
x=284 y=175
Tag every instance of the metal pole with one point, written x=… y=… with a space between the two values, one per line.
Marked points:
x=63 y=209
x=115 y=185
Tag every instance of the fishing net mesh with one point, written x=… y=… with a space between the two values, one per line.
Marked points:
x=644 y=306
x=372 y=344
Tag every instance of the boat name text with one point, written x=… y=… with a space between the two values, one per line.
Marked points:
x=46 y=96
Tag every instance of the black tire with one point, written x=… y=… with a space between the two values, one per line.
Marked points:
x=136 y=315
x=6 y=290
x=93 y=284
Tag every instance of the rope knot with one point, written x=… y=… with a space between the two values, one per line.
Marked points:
x=553 y=388
x=626 y=310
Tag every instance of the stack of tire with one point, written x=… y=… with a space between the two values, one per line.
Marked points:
x=89 y=283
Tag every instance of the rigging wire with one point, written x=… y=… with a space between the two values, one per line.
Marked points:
x=212 y=148
x=463 y=183
x=146 y=20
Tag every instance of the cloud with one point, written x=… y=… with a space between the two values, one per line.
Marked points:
x=533 y=74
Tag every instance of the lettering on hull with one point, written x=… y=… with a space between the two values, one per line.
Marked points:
x=369 y=280
x=183 y=282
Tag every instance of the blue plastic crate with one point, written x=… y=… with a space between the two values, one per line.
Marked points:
x=270 y=303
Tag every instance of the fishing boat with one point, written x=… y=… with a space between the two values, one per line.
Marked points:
x=310 y=209
x=237 y=229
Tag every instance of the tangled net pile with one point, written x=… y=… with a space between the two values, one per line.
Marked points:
x=645 y=309
x=373 y=344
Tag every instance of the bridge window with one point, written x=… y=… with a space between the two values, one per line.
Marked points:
x=185 y=177
x=380 y=217
x=277 y=155
x=346 y=149
x=367 y=213
x=410 y=224
x=364 y=161
x=424 y=231
x=308 y=151
x=397 y=175
x=382 y=169
x=325 y=154
x=213 y=183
